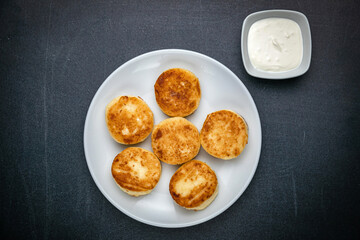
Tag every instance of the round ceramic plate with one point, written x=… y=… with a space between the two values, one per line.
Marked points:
x=221 y=89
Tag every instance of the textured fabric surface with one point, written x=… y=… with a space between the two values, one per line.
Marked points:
x=54 y=55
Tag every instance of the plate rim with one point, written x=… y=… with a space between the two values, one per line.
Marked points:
x=123 y=210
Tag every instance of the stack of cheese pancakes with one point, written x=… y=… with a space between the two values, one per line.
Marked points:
x=174 y=141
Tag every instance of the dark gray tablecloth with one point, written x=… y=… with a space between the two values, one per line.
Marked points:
x=54 y=56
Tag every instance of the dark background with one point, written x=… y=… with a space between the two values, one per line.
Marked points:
x=55 y=54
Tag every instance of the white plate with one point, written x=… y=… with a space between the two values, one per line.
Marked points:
x=303 y=23
x=220 y=88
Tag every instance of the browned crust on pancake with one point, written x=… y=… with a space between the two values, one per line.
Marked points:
x=129 y=119
x=201 y=179
x=175 y=140
x=224 y=134
x=125 y=165
x=177 y=92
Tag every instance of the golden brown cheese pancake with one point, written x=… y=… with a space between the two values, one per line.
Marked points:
x=224 y=134
x=136 y=171
x=177 y=92
x=194 y=185
x=129 y=119
x=175 y=140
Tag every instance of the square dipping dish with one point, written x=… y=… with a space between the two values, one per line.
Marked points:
x=303 y=23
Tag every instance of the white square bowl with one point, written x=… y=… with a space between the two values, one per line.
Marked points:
x=303 y=23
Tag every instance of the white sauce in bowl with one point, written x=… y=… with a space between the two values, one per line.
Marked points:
x=275 y=44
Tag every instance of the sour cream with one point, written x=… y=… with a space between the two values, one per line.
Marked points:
x=275 y=44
